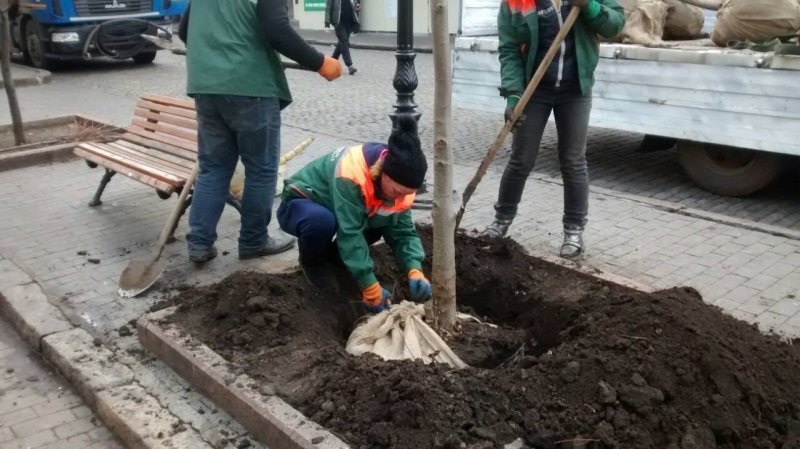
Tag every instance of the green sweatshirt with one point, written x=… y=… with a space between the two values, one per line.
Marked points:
x=518 y=33
x=318 y=181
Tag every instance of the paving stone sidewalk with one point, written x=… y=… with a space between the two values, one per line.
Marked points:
x=38 y=409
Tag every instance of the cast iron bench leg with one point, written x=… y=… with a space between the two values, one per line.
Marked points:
x=103 y=182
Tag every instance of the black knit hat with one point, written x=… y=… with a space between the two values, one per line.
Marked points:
x=405 y=162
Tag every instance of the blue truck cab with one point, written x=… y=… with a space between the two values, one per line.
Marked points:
x=46 y=31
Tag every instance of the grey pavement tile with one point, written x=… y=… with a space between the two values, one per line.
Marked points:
x=770 y=321
x=743 y=315
x=741 y=294
x=787 y=307
x=48 y=421
x=662 y=270
x=761 y=281
x=780 y=269
x=757 y=305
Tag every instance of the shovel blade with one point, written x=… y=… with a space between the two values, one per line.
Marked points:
x=139 y=276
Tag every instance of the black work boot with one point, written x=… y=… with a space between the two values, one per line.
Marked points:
x=498 y=228
x=572 y=248
x=318 y=272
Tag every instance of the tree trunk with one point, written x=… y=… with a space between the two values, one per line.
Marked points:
x=444 y=251
x=8 y=80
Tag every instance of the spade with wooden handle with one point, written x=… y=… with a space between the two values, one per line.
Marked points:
x=178 y=49
x=523 y=101
x=140 y=275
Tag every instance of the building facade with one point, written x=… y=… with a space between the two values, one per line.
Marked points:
x=375 y=15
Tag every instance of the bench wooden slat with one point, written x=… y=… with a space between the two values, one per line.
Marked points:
x=180 y=133
x=179 y=102
x=123 y=170
x=189 y=155
x=189 y=125
x=163 y=138
x=167 y=157
x=169 y=178
x=147 y=160
x=172 y=110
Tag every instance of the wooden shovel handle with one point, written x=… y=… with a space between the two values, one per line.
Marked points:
x=523 y=101
x=176 y=213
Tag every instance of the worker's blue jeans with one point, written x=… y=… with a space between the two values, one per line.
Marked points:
x=571 y=111
x=230 y=127
x=314 y=225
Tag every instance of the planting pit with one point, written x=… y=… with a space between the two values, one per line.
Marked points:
x=51 y=140
x=575 y=362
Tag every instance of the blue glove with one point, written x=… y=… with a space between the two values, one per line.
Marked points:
x=418 y=285
x=376 y=298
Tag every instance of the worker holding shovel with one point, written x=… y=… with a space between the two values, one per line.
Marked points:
x=237 y=80
x=358 y=195
x=526 y=29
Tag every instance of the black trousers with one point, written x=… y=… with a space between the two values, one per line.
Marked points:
x=343 y=44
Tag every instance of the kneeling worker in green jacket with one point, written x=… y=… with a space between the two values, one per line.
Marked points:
x=358 y=195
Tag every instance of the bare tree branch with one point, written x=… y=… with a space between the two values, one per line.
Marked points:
x=5 y=69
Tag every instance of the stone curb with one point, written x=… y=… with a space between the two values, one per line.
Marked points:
x=29 y=312
x=37 y=78
x=271 y=420
x=379 y=47
x=106 y=384
x=90 y=369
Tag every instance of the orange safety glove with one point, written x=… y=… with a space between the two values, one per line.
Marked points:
x=376 y=298
x=331 y=69
x=418 y=285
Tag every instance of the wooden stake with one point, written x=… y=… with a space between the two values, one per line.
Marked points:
x=444 y=252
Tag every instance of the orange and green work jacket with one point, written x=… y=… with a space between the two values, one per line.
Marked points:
x=518 y=23
x=341 y=181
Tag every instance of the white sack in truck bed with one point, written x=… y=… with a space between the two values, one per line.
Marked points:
x=756 y=20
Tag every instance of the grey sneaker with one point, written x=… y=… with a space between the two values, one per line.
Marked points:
x=202 y=255
x=352 y=70
x=498 y=228
x=274 y=245
x=572 y=248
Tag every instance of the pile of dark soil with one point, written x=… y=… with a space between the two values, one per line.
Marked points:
x=576 y=362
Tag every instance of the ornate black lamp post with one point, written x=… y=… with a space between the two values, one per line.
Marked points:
x=405 y=75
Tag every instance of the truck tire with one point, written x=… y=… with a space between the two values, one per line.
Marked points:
x=34 y=50
x=729 y=171
x=144 y=57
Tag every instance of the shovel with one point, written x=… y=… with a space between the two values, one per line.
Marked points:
x=178 y=49
x=523 y=101
x=140 y=275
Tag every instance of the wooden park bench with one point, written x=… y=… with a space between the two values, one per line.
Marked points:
x=158 y=149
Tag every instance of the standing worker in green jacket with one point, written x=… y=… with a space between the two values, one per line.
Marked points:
x=358 y=195
x=526 y=30
x=237 y=81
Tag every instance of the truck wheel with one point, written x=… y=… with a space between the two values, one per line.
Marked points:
x=727 y=170
x=34 y=50
x=144 y=57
